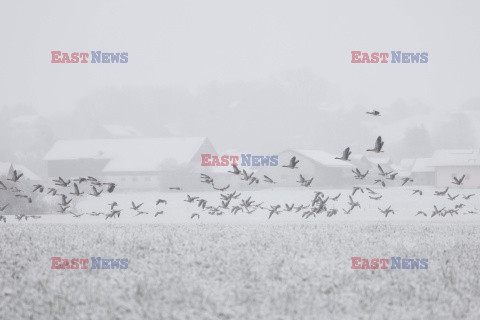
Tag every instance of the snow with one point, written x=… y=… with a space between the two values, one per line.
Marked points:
x=468 y=157
x=379 y=160
x=323 y=158
x=245 y=266
x=27 y=173
x=130 y=155
x=5 y=168
x=423 y=165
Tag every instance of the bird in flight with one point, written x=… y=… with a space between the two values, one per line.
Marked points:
x=373 y=113
x=95 y=193
x=190 y=199
x=62 y=183
x=136 y=207
x=268 y=179
x=387 y=211
x=76 y=191
x=293 y=163
x=359 y=175
x=161 y=201
x=15 y=176
x=420 y=192
x=441 y=193
x=345 y=155
x=405 y=180
x=235 y=170
x=378 y=145
x=382 y=172
x=457 y=181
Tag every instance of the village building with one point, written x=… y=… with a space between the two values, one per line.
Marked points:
x=327 y=171
x=139 y=164
x=422 y=172
x=456 y=163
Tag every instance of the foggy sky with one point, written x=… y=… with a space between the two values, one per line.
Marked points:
x=192 y=43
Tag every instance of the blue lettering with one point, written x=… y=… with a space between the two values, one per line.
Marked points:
x=96 y=56
x=246 y=159
x=396 y=56
x=396 y=263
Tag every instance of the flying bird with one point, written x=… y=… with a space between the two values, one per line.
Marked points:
x=373 y=113
x=457 y=181
x=268 y=179
x=136 y=207
x=95 y=193
x=161 y=201
x=76 y=191
x=345 y=155
x=15 y=176
x=235 y=170
x=293 y=163
x=382 y=172
x=378 y=145
x=190 y=199
x=441 y=193
x=406 y=180
x=62 y=183
x=359 y=175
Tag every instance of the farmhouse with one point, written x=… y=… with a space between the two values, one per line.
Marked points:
x=6 y=170
x=327 y=171
x=422 y=172
x=132 y=163
x=456 y=163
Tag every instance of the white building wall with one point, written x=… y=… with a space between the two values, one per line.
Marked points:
x=444 y=176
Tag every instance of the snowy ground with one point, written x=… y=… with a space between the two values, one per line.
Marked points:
x=244 y=266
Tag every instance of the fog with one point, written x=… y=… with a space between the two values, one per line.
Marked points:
x=251 y=76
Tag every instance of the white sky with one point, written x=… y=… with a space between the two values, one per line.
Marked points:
x=194 y=42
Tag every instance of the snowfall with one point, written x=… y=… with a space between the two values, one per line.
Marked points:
x=246 y=266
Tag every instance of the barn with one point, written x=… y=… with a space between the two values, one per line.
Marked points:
x=138 y=164
x=6 y=170
x=422 y=172
x=456 y=163
x=327 y=171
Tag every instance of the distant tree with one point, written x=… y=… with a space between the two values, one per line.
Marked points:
x=416 y=143
x=457 y=133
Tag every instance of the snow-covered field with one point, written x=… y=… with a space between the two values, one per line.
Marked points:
x=245 y=266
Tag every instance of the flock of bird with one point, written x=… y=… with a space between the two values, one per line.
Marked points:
x=231 y=203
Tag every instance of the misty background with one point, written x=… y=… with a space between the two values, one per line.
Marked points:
x=251 y=76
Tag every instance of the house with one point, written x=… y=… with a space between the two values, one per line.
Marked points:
x=145 y=164
x=422 y=172
x=327 y=171
x=404 y=168
x=6 y=170
x=384 y=162
x=456 y=163
x=361 y=162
